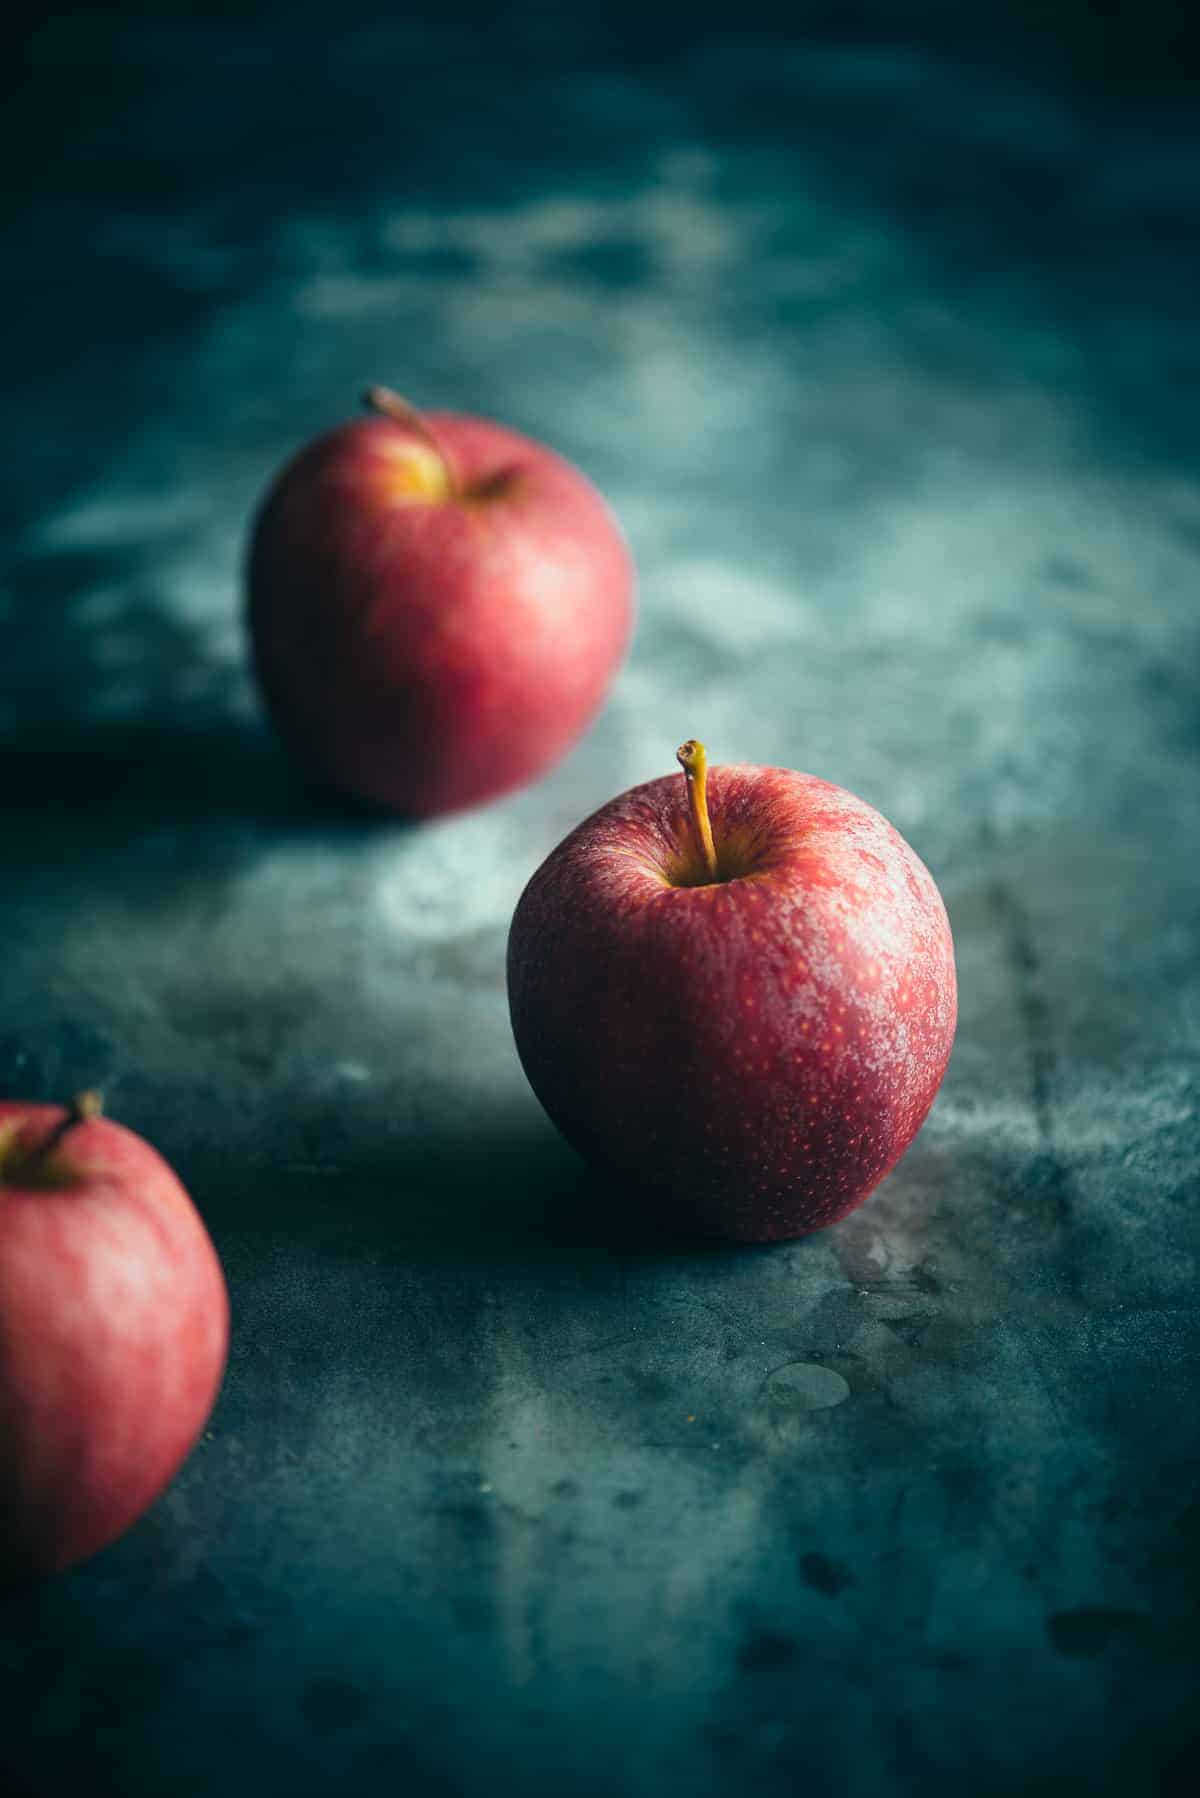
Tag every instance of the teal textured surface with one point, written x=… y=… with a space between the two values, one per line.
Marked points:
x=885 y=354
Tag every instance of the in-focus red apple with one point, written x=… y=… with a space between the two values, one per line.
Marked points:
x=437 y=607
x=114 y=1324
x=748 y=1019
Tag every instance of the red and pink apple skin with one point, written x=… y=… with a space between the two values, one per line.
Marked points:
x=437 y=607
x=751 y=1055
x=114 y=1326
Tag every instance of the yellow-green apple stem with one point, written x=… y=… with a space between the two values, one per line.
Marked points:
x=402 y=412
x=82 y=1107
x=693 y=759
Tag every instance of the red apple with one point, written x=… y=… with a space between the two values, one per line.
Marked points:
x=114 y=1324
x=748 y=1022
x=437 y=606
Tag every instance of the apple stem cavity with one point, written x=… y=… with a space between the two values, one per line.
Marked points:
x=389 y=404
x=693 y=759
x=82 y=1109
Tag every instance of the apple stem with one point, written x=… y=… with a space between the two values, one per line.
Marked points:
x=693 y=759
x=390 y=404
x=83 y=1107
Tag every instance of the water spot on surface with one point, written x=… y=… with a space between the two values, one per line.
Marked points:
x=831 y=1578
x=472 y=1519
x=628 y=1501
x=766 y=1651
x=724 y=1743
x=1088 y=1631
x=865 y=1259
x=805 y=1386
x=1065 y=571
x=910 y=1329
x=648 y=1385
x=328 y=1705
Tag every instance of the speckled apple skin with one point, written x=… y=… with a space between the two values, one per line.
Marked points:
x=114 y=1325
x=754 y=1055
x=426 y=654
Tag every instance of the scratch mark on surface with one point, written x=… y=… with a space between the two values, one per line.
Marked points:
x=1053 y=1177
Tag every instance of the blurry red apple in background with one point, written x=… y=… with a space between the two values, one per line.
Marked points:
x=437 y=607
x=748 y=1019
x=114 y=1324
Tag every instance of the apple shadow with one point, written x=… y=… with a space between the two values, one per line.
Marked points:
x=115 y=781
x=504 y=1189
x=120 y=719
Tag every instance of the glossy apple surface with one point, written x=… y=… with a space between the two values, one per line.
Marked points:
x=437 y=607
x=114 y=1324
x=752 y=1053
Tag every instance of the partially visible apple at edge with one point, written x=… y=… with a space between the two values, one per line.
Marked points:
x=114 y=1325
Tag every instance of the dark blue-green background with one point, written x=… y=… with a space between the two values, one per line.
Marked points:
x=878 y=327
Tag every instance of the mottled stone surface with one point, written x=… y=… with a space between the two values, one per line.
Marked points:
x=884 y=351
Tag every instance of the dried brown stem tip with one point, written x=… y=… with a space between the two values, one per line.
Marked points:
x=390 y=404
x=83 y=1108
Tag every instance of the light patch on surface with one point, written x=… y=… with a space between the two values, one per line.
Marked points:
x=677 y=228
x=450 y=878
x=125 y=519
x=729 y=607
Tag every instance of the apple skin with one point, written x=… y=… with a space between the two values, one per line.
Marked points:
x=114 y=1326
x=426 y=646
x=753 y=1055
